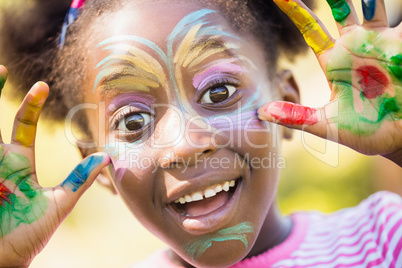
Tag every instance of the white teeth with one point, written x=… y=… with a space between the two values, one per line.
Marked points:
x=226 y=186
x=188 y=198
x=197 y=196
x=207 y=193
x=218 y=189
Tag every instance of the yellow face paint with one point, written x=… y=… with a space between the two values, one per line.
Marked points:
x=137 y=70
x=312 y=32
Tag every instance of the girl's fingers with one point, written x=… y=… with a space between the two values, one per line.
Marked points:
x=297 y=116
x=25 y=123
x=3 y=78
x=314 y=32
x=374 y=13
x=80 y=179
x=343 y=13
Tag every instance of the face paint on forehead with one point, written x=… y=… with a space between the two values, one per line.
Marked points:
x=193 y=42
x=128 y=68
x=196 y=39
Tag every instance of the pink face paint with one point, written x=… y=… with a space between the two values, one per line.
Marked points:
x=201 y=79
x=373 y=81
x=292 y=114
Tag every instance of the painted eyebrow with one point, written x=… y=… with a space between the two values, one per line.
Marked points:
x=215 y=70
x=190 y=54
x=128 y=68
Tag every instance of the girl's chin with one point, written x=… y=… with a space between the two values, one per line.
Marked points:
x=219 y=254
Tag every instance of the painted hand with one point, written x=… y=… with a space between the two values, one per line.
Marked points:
x=364 y=71
x=30 y=214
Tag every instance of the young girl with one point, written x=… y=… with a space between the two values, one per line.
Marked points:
x=178 y=99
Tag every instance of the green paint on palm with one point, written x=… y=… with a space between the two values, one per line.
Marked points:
x=388 y=106
x=369 y=115
x=238 y=232
x=23 y=207
x=340 y=9
x=396 y=66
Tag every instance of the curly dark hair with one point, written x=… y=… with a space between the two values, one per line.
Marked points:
x=29 y=42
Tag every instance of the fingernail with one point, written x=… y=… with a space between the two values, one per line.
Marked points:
x=81 y=173
x=40 y=97
x=340 y=9
x=368 y=9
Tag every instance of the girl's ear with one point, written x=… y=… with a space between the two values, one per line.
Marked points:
x=289 y=91
x=104 y=178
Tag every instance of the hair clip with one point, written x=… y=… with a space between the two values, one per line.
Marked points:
x=71 y=16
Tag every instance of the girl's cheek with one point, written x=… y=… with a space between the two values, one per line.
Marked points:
x=128 y=158
x=243 y=129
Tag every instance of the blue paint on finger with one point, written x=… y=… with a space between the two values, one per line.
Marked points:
x=368 y=9
x=80 y=174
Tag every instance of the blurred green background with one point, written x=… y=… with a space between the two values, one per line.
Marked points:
x=319 y=175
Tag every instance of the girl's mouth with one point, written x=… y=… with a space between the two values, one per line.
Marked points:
x=204 y=209
x=205 y=201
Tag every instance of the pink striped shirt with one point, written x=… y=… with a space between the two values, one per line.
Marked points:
x=368 y=235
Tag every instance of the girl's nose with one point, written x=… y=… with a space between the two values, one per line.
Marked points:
x=193 y=144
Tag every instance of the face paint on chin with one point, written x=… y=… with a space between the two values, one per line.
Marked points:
x=238 y=232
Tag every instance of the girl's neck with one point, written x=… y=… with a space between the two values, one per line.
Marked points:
x=274 y=231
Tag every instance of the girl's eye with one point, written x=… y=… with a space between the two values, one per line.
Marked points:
x=134 y=122
x=218 y=94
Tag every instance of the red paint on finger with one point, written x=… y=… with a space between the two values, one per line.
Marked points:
x=4 y=194
x=292 y=114
x=373 y=81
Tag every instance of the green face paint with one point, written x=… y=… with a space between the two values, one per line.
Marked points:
x=238 y=232
x=23 y=207
x=340 y=9
x=380 y=96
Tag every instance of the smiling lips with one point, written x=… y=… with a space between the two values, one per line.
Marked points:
x=203 y=202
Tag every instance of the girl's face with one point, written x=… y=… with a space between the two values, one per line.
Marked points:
x=176 y=93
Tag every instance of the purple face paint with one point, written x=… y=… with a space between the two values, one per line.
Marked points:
x=201 y=79
x=131 y=97
x=238 y=120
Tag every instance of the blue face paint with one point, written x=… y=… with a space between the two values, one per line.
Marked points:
x=368 y=9
x=238 y=232
x=80 y=174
